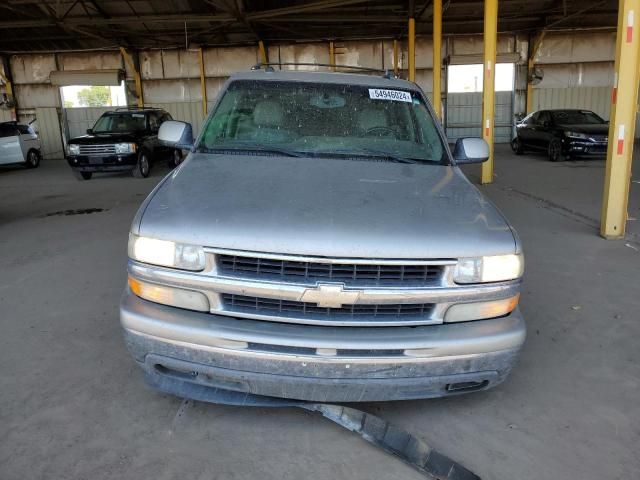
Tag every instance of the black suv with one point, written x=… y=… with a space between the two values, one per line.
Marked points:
x=121 y=140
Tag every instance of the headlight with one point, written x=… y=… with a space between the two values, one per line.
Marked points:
x=166 y=253
x=175 y=297
x=73 y=149
x=125 y=147
x=498 y=268
x=464 y=312
x=576 y=135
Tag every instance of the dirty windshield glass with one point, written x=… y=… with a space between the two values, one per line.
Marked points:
x=576 y=117
x=120 y=123
x=350 y=121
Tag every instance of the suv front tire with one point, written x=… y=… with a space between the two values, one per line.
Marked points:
x=143 y=167
x=82 y=175
x=176 y=158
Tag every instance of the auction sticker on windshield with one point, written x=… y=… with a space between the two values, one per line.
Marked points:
x=395 y=95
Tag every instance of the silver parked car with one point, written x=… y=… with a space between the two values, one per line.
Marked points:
x=19 y=144
x=320 y=242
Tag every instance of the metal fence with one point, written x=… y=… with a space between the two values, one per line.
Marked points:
x=464 y=116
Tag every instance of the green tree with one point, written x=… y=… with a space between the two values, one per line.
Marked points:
x=68 y=104
x=95 y=96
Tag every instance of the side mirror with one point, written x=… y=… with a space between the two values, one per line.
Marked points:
x=471 y=150
x=176 y=134
x=546 y=124
x=89 y=131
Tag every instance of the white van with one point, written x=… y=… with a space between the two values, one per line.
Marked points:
x=19 y=144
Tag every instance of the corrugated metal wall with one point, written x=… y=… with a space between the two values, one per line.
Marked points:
x=578 y=73
x=597 y=99
x=48 y=125
x=190 y=112
x=5 y=115
x=80 y=119
x=464 y=116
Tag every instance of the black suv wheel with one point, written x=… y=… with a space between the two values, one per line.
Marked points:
x=143 y=167
x=82 y=175
x=176 y=158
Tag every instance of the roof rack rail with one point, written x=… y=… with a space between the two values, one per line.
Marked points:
x=268 y=67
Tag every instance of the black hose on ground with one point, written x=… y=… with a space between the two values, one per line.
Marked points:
x=371 y=428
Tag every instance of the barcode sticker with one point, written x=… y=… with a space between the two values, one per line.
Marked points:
x=394 y=95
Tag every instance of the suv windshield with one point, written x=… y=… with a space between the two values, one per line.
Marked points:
x=319 y=119
x=120 y=123
x=576 y=117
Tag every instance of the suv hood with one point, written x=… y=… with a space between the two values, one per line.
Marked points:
x=104 y=138
x=324 y=207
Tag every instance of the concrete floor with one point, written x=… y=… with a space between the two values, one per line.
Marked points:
x=73 y=404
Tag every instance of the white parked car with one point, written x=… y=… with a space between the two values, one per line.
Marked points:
x=19 y=144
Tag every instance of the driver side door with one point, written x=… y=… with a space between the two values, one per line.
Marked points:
x=526 y=129
x=10 y=150
x=543 y=131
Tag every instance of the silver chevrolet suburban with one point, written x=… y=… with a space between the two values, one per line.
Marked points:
x=321 y=243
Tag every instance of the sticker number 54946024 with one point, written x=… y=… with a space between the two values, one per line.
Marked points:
x=394 y=95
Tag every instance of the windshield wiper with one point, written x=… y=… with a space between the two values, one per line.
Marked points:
x=366 y=152
x=265 y=150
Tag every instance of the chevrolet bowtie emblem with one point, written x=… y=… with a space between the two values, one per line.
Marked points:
x=330 y=296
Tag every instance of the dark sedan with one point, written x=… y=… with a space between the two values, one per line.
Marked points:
x=562 y=134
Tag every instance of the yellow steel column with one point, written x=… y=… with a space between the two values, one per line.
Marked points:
x=9 y=91
x=136 y=75
x=437 y=57
x=532 y=56
x=488 y=95
x=529 y=87
x=412 y=49
x=395 y=57
x=623 y=120
x=332 y=56
x=263 y=52
x=203 y=82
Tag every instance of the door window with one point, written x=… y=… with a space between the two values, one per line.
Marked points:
x=544 y=117
x=7 y=131
x=154 y=122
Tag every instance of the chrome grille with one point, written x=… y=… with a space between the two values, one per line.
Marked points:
x=91 y=150
x=349 y=274
x=287 y=308
x=599 y=138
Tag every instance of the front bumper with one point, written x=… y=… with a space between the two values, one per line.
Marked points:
x=584 y=148
x=107 y=163
x=177 y=347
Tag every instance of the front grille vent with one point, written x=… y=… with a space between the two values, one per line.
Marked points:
x=350 y=274
x=91 y=150
x=287 y=308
